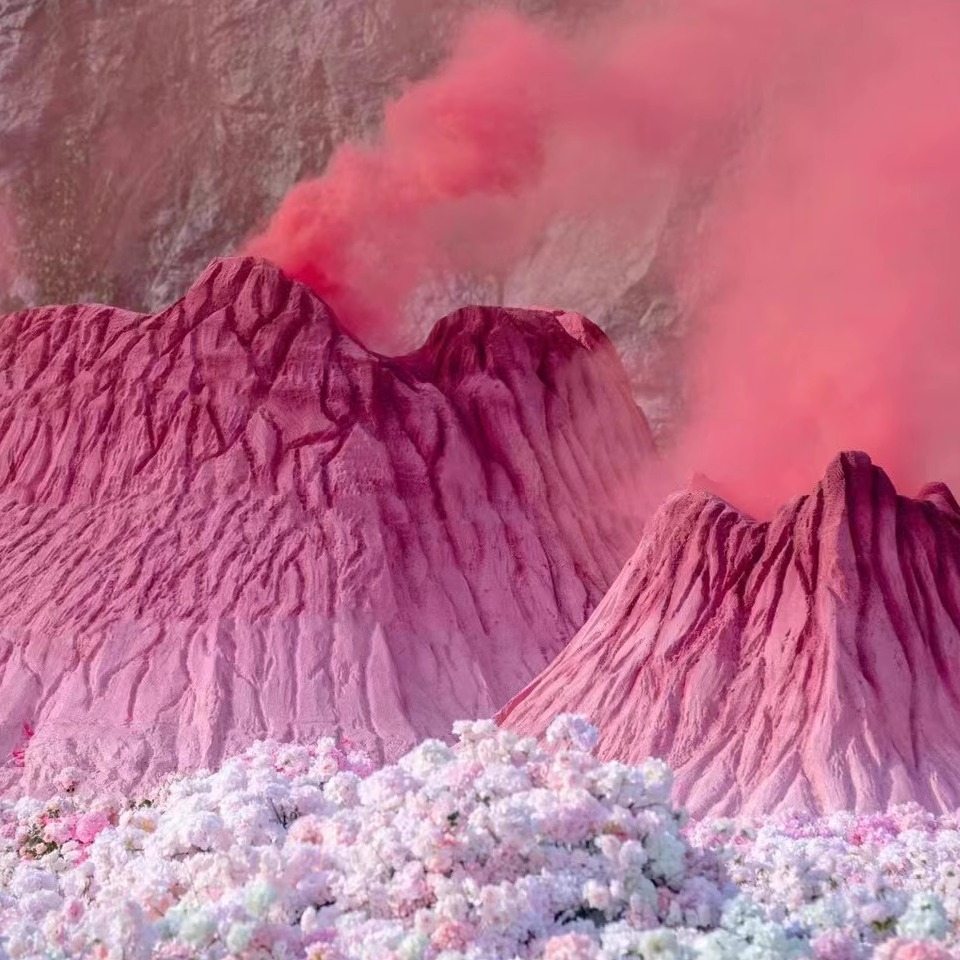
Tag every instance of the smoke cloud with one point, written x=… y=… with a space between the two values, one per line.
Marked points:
x=833 y=317
x=520 y=126
x=826 y=314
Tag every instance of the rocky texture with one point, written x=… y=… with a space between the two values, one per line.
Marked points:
x=229 y=521
x=103 y=200
x=126 y=205
x=810 y=662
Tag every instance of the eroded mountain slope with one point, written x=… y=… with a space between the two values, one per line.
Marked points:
x=230 y=520
x=811 y=662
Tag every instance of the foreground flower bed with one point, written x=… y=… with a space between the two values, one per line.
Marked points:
x=495 y=848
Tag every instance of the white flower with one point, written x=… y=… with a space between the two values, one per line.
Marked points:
x=260 y=896
x=198 y=929
x=473 y=731
x=597 y=895
x=569 y=729
x=666 y=854
x=658 y=780
x=924 y=918
x=239 y=936
x=413 y=947
x=619 y=941
x=427 y=758
x=497 y=848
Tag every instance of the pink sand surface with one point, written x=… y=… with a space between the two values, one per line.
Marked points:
x=812 y=662
x=230 y=521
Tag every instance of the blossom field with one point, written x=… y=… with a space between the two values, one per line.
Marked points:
x=497 y=847
x=587 y=366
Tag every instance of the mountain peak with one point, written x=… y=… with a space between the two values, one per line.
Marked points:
x=230 y=520
x=810 y=661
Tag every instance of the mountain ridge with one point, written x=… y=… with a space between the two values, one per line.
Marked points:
x=805 y=662
x=231 y=520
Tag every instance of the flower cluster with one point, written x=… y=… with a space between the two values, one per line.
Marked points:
x=883 y=885
x=494 y=848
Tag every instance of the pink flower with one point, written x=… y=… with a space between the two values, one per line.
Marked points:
x=359 y=763
x=664 y=900
x=328 y=765
x=912 y=950
x=89 y=825
x=464 y=776
x=165 y=951
x=835 y=946
x=73 y=910
x=451 y=935
x=571 y=946
x=323 y=951
x=308 y=829
x=59 y=831
x=641 y=914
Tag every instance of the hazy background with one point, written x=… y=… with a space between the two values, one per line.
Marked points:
x=141 y=138
x=759 y=202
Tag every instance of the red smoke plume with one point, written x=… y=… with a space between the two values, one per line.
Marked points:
x=519 y=126
x=834 y=316
x=822 y=288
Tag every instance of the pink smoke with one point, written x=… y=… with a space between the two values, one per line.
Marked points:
x=833 y=314
x=520 y=125
x=826 y=312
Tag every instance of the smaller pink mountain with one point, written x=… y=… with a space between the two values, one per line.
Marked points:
x=812 y=662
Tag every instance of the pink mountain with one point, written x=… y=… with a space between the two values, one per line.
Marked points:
x=231 y=521
x=812 y=662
